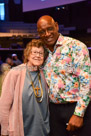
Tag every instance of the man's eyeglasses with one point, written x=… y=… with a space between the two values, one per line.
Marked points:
x=41 y=54
x=43 y=32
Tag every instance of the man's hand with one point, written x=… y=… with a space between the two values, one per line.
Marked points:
x=75 y=122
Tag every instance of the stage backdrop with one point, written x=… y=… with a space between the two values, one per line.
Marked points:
x=30 y=5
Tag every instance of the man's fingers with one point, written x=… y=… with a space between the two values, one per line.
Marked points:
x=70 y=127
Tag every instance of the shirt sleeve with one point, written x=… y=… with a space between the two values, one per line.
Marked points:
x=6 y=101
x=82 y=68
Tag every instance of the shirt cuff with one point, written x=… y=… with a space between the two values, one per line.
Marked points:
x=4 y=130
x=81 y=106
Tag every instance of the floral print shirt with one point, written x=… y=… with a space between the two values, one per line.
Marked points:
x=67 y=71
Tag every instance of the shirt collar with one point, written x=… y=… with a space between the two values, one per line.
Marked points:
x=59 y=42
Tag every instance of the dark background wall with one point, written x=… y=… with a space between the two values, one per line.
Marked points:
x=77 y=14
x=15 y=11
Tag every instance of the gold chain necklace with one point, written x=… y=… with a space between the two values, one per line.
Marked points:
x=39 y=97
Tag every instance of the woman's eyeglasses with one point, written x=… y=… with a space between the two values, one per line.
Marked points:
x=35 y=53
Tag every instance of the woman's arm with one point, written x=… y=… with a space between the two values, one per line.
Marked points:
x=6 y=101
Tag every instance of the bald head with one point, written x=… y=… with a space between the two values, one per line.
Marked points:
x=45 y=18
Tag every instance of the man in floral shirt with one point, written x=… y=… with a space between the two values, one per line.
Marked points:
x=67 y=72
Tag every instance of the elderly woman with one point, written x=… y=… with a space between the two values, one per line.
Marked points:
x=24 y=100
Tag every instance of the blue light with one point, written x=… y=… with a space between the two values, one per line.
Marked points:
x=2 y=11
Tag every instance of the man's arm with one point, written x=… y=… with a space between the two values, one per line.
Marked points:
x=81 y=62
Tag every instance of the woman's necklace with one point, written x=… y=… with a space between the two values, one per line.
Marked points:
x=38 y=94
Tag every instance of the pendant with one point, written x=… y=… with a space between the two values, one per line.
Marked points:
x=37 y=90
